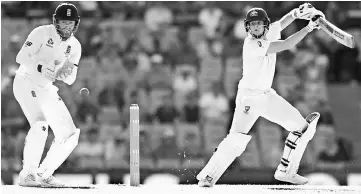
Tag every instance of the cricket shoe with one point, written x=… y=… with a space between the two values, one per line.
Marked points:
x=206 y=182
x=28 y=181
x=294 y=179
x=51 y=181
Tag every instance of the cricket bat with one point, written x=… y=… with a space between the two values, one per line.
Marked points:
x=336 y=33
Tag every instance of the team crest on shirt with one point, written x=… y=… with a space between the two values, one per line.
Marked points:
x=259 y=43
x=246 y=109
x=67 y=52
x=50 y=43
x=253 y=13
x=28 y=43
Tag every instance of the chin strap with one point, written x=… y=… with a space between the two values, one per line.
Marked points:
x=259 y=36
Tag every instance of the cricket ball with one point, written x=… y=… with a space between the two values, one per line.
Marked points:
x=84 y=92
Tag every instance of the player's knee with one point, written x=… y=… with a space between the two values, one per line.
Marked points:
x=76 y=134
x=69 y=130
x=306 y=131
x=235 y=143
x=39 y=126
x=73 y=137
x=309 y=133
x=294 y=136
x=38 y=131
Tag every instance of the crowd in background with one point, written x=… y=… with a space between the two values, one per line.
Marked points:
x=181 y=63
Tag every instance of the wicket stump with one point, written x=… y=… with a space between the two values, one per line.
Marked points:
x=134 y=145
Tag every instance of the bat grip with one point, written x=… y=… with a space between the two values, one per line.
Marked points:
x=315 y=17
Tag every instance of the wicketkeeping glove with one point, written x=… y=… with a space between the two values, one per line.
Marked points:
x=47 y=70
x=65 y=70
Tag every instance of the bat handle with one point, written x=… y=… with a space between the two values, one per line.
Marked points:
x=315 y=17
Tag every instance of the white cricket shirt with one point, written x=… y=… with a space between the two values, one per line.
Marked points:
x=259 y=67
x=43 y=46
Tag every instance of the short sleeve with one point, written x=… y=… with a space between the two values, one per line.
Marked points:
x=255 y=47
x=274 y=31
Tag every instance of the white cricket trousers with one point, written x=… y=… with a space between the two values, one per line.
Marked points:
x=251 y=104
x=43 y=104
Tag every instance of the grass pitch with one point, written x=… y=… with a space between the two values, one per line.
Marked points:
x=184 y=189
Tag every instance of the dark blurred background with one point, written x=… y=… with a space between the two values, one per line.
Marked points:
x=181 y=62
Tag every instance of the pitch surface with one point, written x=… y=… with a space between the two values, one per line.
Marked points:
x=185 y=189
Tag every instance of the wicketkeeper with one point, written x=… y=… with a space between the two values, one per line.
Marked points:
x=51 y=52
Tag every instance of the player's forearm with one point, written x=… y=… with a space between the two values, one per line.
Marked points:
x=290 y=42
x=296 y=38
x=287 y=19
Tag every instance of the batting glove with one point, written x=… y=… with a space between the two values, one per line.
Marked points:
x=318 y=13
x=313 y=24
x=305 y=11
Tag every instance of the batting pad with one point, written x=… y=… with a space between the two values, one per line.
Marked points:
x=231 y=147
x=58 y=153
x=295 y=155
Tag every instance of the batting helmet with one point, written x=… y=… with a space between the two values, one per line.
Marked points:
x=66 y=11
x=257 y=14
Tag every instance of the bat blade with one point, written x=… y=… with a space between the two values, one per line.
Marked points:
x=337 y=34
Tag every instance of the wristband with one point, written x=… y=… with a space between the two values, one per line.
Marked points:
x=308 y=28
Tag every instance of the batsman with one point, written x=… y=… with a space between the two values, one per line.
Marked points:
x=50 y=53
x=256 y=98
